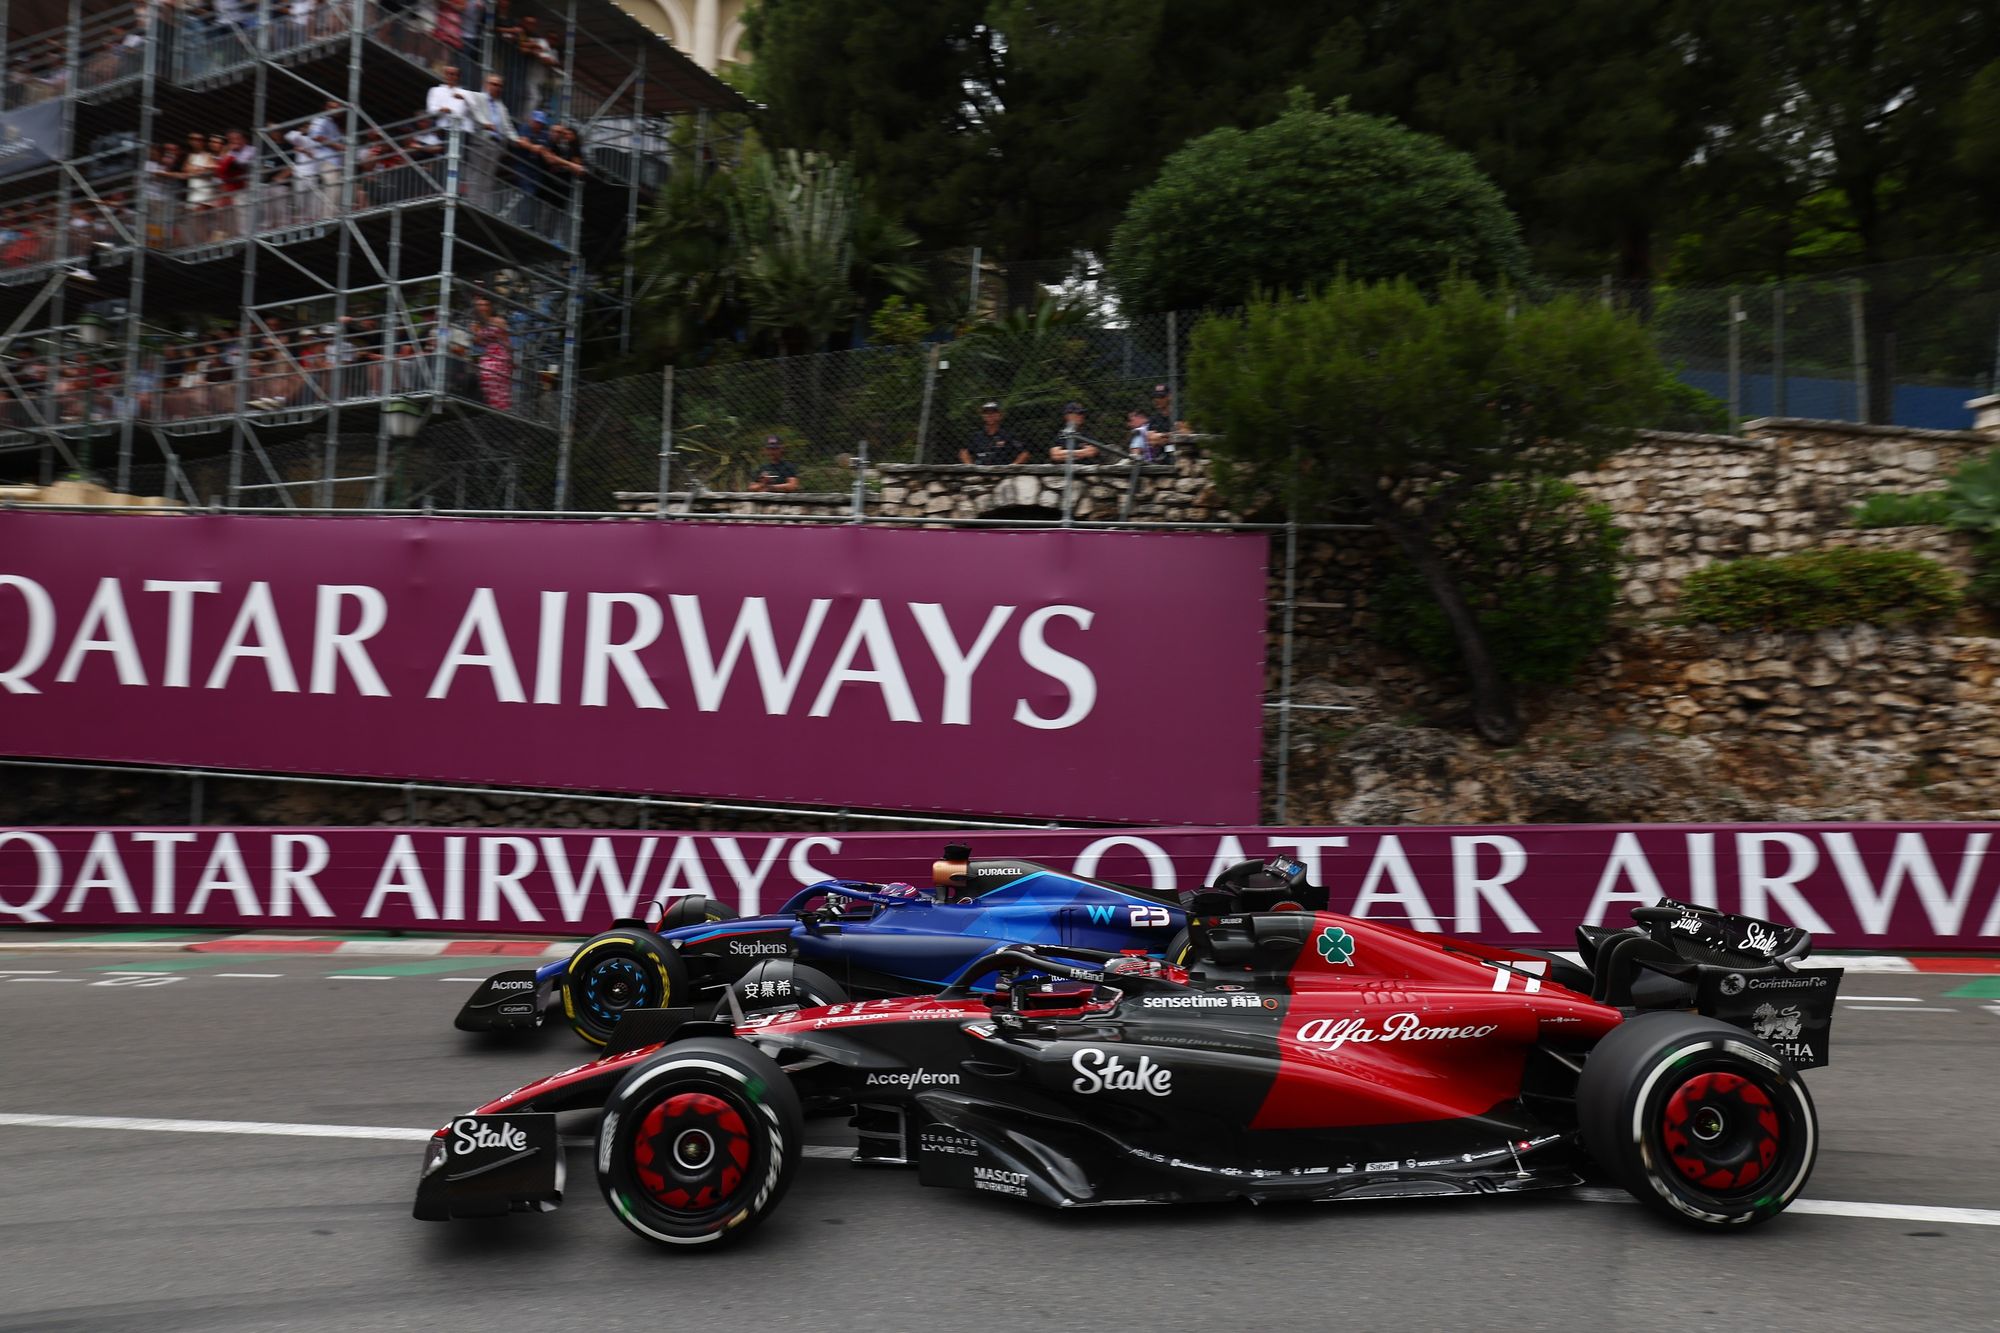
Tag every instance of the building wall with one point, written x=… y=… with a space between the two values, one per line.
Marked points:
x=710 y=32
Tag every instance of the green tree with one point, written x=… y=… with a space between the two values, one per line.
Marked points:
x=1308 y=196
x=1404 y=404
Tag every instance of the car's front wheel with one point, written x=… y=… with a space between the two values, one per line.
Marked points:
x=1697 y=1119
x=616 y=972
x=699 y=1144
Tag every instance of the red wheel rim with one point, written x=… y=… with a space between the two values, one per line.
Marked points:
x=691 y=1152
x=1721 y=1132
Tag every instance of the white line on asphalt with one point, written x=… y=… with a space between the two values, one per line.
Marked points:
x=392 y=948
x=17 y=979
x=248 y=976
x=26 y=971
x=1899 y=1009
x=461 y=978
x=1882 y=999
x=212 y=1126
x=356 y=976
x=1897 y=1212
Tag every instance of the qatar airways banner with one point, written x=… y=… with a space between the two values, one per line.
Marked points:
x=1855 y=886
x=1075 y=675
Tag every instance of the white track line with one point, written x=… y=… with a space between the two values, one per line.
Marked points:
x=1898 y=1212
x=1900 y=1009
x=19 y=979
x=212 y=1126
x=27 y=971
x=248 y=976
x=1881 y=999
x=357 y=976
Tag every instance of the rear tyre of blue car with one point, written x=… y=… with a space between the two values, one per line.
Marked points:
x=699 y=1144
x=616 y=972
x=694 y=910
x=1697 y=1120
x=778 y=984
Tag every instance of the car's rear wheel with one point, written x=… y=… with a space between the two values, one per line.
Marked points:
x=699 y=1144
x=616 y=972
x=1697 y=1119
x=694 y=910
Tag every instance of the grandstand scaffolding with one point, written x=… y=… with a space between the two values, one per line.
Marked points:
x=372 y=292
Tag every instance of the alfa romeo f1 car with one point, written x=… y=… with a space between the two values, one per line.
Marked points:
x=833 y=940
x=1298 y=1055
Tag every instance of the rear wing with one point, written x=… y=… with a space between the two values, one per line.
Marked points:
x=1737 y=969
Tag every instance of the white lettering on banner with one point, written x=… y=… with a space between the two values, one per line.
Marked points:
x=600 y=651
x=1391 y=864
x=869 y=632
x=1158 y=864
x=402 y=873
x=1305 y=849
x=777 y=681
x=1228 y=852
x=1070 y=672
x=256 y=634
x=749 y=883
x=957 y=665
x=479 y=625
x=1761 y=891
x=48 y=876
x=1910 y=860
x=334 y=648
x=1470 y=888
x=600 y=864
x=800 y=866
x=180 y=624
x=37 y=642
x=225 y=870
x=684 y=873
x=495 y=883
x=102 y=868
x=549 y=646
x=1701 y=870
x=106 y=615
x=288 y=879
x=163 y=866
x=1627 y=861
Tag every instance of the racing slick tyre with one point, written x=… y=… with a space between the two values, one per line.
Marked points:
x=617 y=971
x=780 y=983
x=1697 y=1119
x=695 y=910
x=699 y=1144
x=1179 y=952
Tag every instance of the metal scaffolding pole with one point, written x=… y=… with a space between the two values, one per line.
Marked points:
x=239 y=427
x=135 y=295
x=631 y=202
x=392 y=306
x=343 y=209
x=573 y=306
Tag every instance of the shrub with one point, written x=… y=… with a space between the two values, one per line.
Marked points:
x=1539 y=567
x=1814 y=590
x=1888 y=510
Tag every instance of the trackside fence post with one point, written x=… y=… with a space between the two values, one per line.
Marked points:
x=666 y=441
x=931 y=357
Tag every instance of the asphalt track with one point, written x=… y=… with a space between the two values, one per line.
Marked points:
x=133 y=1228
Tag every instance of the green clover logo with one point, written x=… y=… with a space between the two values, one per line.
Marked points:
x=1336 y=946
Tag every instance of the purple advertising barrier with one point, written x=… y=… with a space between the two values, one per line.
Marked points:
x=1071 y=675
x=1855 y=886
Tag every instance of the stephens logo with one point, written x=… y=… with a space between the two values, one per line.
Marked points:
x=472 y=1136
x=913 y=1078
x=1336 y=946
x=1333 y=1033
x=1101 y=1071
x=759 y=948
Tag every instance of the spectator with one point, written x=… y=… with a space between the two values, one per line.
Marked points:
x=776 y=474
x=1161 y=424
x=493 y=131
x=450 y=101
x=313 y=163
x=1068 y=448
x=991 y=445
x=1141 y=446
x=233 y=167
x=496 y=355
x=448 y=27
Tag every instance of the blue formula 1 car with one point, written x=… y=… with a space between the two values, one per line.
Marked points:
x=833 y=941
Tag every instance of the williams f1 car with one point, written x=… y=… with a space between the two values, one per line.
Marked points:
x=832 y=941
x=1298 y=1055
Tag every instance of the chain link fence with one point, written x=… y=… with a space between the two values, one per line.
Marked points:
x=1904 y=344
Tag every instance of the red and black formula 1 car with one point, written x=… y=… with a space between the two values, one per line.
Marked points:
x=1298 y=1055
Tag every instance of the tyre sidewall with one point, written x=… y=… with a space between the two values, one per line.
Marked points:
x=655 y=956
x=1621 y=1104
x=755 y=1086
x=803 y=987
